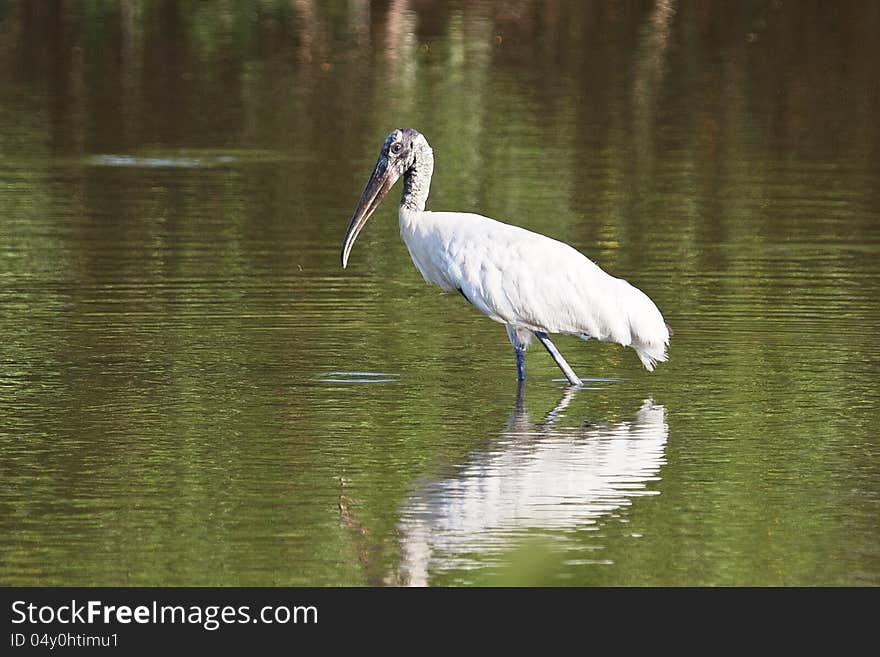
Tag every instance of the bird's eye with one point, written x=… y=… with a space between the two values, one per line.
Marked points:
x=395 y=148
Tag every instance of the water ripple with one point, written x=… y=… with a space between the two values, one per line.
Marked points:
x=359 y=377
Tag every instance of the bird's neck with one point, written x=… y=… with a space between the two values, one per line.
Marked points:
x=417 y=182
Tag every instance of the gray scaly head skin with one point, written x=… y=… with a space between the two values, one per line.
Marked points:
x=405 y=153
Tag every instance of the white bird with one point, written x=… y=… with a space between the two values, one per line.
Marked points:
x=532 y=284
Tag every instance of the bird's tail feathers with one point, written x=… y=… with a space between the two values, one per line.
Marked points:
x=651 y=354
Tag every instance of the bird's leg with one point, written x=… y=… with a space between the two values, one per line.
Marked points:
x=520 y=339
x=554 y=352
x=520 y=353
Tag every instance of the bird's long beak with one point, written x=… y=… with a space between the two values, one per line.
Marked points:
x=381 y=180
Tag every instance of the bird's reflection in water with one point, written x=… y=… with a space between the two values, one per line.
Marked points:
x=532 y=477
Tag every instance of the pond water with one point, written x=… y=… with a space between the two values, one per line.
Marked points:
x=193 y=392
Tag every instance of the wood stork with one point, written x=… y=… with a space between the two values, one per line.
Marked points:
x=532 y=284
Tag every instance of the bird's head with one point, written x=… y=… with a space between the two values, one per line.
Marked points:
x=399 y=154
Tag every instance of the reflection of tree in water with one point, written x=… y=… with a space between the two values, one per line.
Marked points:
x=154 y=45
x=533 y=476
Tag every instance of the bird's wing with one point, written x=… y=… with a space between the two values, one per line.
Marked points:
x=523 y=278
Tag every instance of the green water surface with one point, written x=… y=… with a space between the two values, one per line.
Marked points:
x=193 y=392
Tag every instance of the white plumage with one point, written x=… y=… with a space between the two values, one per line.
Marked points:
x=529 y=282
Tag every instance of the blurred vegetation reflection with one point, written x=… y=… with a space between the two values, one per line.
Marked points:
x=175 y=179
